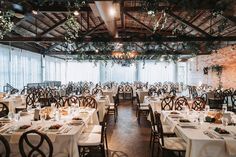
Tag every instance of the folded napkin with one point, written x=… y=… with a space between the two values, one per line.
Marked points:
x=231 y=146
x=15 y=137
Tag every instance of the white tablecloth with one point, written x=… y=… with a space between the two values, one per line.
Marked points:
x=199 y=144
x=65 y=143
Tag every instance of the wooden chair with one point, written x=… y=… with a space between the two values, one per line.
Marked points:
x=198 y=104
x=96 y=91
x=35 y=149
x=113 y=107
x=90 y=140
x=30 y=102
x=89 y=101
x=142 y=110
x=233 y=99
x=173 y=144
x=72 y=100
x=4 y=143
x=4 y=110
x=180 y=102
x=166 y=130
x=167 y=103
x=227 y=96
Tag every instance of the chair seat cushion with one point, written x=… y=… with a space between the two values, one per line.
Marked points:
x=93 y=129
x=174 y=143
x=167 y=130
x=89 y=139
x=144 y=107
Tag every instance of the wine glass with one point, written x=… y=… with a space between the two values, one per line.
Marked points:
x=225 y=121
x=11 y=115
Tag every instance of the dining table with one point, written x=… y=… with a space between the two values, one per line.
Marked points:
x=203 y=138
x=64 y=137
x=13 y=101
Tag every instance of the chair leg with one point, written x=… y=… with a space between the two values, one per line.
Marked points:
x=138 y=117
x=103 y=151
x=106 y=144
x=153 y=144
x=150 y=143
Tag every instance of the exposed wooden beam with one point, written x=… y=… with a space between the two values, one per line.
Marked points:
x=187 y=23
x=134 y=39
x=142 y=24
x=93 y=29
x=54 y=27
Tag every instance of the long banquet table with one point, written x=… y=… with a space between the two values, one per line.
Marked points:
x=201 y=138
x=64 y=139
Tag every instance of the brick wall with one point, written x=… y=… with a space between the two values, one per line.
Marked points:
x=225 y=57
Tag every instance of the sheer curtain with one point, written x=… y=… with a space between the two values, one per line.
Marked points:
x=156 y=72
x=117 y=72
x=18 y=67
x=82 y=71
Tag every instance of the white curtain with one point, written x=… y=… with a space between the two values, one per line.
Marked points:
x=117 y=72
x=156 y=72
x=82 y=71
x=18 y=67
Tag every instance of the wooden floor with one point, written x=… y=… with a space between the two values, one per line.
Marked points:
x=126 y=138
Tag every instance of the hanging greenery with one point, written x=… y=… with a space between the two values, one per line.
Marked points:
x=6 y=24
x=73 y=31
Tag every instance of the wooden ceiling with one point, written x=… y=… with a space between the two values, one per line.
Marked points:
x=44 y=33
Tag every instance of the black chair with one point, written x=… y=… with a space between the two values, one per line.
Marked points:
x=142 y=110
x=198 y=104
x=154 y=134
x=5 y=144
x=173 y=144
x=89 y=141
x=233 y=99
x=89 y=101
x=4 y=110
x=227 y=96
x=180 y=102
x=167 y=103
x=35 y=149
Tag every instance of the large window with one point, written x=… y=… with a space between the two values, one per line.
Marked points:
x=19 y=67
x=117 y=72
x=82 y=71
x=156 y=72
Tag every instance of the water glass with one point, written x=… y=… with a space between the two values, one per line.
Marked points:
x=29 y=108
x=17 y=116
x=225 y=121
x=207 y=108
x=11 y=115
x=224 y=108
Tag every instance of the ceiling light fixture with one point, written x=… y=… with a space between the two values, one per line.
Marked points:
x=76 y=13
x=35 y=12
x=112 y=12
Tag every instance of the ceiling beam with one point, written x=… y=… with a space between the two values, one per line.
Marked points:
x=142 y=24
x=53 y=27
x=187 y=23
x=149 y=52
x=134 y=39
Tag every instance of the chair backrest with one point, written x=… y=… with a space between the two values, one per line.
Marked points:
x=138 y=100
x=89 y=101
x=180 y=102
x=159 y=127
x=153 y=123
x=172 y=92
x=167 y=103
x=198 y=104
x=5 y=145
x=72 y=100
x=152 y=90
x=104 y=125
x=4 y=110
x=218 y=94
x=33 y=149
x=30 y=100
x=204 y=97
x=96 y=91
x=233 y=99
